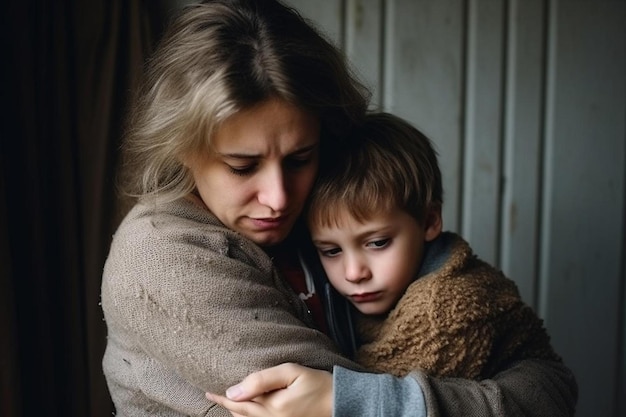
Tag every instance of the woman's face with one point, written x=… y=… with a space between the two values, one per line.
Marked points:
x=263 y=163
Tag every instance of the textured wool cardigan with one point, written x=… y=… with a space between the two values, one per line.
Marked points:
x=460 y=318
x=192 y=306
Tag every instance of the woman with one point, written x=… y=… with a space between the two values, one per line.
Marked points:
x=242 y=104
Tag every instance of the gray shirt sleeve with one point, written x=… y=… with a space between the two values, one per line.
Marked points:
x=530 y=388
x=368 y=395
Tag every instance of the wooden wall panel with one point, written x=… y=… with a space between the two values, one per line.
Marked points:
x=423 y=67
x=327 y=15
x=481 y=181
x=583 y=199
x=526 y=103
x=523 y=123
x=364 y=43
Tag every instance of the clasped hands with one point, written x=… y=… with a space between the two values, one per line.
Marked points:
x=285 y=390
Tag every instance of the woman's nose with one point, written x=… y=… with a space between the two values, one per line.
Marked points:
x=272 y=189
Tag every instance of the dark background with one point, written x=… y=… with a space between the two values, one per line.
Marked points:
x=69 y=68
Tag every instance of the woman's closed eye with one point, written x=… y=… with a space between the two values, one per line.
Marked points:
x=243 y=170
x=300 y=159
x=296 y=163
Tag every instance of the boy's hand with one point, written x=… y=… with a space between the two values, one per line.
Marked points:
x=287 y=390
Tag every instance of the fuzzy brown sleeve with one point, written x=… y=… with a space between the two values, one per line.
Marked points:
x=439 y=327
x=468 y=324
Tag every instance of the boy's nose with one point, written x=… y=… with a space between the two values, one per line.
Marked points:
x=356 y=270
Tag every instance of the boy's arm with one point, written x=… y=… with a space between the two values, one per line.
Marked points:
x=532 y=388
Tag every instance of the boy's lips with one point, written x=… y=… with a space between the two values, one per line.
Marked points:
x=365 y=297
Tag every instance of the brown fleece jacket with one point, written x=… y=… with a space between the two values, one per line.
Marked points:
x=460 y=318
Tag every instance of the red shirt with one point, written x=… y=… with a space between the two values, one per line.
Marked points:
x=287 y=261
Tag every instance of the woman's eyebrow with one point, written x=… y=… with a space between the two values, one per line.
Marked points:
x=305 y=149
x=240 y=155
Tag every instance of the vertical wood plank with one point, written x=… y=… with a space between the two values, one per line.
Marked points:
x=363 y=43
x=522 y=144
x=583 y=211
x=620 y=386
x=483 y=128
x=325 y=15
x=423 y=80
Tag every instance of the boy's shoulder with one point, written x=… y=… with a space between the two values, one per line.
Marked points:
x=456 y=281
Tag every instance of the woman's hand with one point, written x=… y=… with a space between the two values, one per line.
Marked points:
x=287 y=390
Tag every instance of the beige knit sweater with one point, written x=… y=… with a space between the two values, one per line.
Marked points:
x=192 y=306
x=463 y=319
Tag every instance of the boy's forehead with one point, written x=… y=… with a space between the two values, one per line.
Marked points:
x=388 y=222
x=342 y=212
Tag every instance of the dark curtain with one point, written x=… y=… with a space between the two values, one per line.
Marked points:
x=69 y=68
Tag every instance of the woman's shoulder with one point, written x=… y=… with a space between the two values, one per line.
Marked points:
x=149 y=227
x=176 y=237
x=165 y=255
x=177 y=223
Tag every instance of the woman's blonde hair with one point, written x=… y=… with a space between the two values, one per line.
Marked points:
x=391 y=165
x=217 y=58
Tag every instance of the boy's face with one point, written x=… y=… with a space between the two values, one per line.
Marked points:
x=372 y=263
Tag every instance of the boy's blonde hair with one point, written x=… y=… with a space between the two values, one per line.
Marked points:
x=390 y=165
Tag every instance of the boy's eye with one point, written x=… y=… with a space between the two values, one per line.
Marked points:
x=379 y=243
x=329 y=253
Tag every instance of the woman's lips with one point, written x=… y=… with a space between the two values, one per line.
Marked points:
x=269 y=223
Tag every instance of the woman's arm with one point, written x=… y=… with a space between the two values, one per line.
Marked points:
x=530 y=388
x=205 y=306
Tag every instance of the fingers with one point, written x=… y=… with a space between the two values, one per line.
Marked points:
x=282 y=391
x=243 y=409
x=264 y=381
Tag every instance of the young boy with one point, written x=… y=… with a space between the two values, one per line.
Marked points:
x=426 y=301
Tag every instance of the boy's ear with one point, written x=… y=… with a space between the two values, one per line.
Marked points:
x=433 y=223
